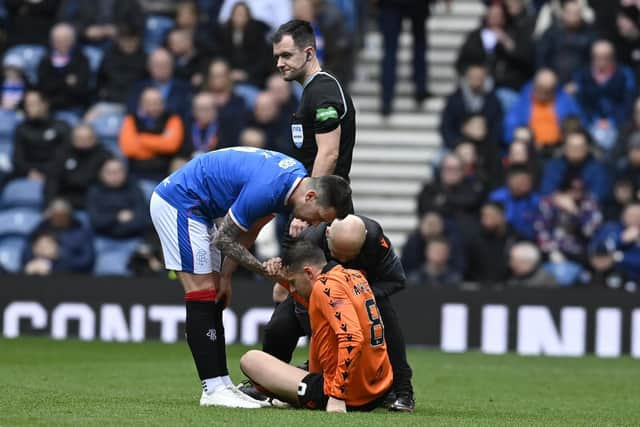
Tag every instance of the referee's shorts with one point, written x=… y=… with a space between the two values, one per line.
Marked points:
x=187 y=244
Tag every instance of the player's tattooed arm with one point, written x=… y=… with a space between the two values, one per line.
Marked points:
x=229 y=240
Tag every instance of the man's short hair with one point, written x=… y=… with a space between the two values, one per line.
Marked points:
x=303 y=253
x=300 y=31
x=333 y=192
x=518 y=169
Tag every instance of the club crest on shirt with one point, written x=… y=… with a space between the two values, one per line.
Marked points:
x=297 y=134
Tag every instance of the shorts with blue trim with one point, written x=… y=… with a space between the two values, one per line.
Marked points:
x=187 y=244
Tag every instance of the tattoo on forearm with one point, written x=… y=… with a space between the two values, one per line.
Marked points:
x=227 y=240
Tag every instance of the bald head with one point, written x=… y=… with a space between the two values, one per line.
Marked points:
x=602 y=55
x=346 y=237
x=545 y=85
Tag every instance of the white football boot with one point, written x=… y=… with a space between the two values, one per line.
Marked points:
x=228 y=397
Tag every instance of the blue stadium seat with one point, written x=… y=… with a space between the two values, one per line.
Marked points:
x=112 y=256
x=94 y=55
x=8 y=122
x=108 y=125
x=22 y=192
x=6 y=156
x=30 y=55
x=156 y=28
x=18 y=221
x=11 y=249
x=147 y=186
x=70 y=117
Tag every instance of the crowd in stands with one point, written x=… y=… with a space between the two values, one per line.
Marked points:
x=101 y=100
x=540 y=183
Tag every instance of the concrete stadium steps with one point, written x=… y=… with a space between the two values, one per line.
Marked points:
x=392 y=156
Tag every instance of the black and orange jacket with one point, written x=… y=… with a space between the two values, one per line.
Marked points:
x=347 y=342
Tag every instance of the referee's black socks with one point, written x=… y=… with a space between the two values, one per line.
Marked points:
x=205 y=336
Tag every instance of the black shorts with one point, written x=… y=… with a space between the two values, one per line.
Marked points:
x=311 y=395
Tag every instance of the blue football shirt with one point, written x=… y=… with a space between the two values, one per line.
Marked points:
x=247 y=182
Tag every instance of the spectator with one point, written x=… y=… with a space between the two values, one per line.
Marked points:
x=624 y=193
x=627 y=40
x=147 y=260
x=520 y=17
x=473 y=96
x=191 y=64
x=60 y=244
x=478 y=167
x=486 y=250
x=242 y=41
x=524 y=154
x=631 y=127
x=268 y=117
x=231 y=108
x=158 y=7
x=436 y=272
x=281 y=90
x=190 y=17
x=334 y=45
x=567 y=221
x=253 y=137
x=30 y=22
x=507 y=52
x=526 y=268
x=550 y=14
x=124 y=64
x=564 y=47
x=622 y=242
x=432 y=225
x=605 y=92
x=520 y=201
x=75 y=167
x=116 y=206
x=603 y=271
x=176 y=93
x=542 y=107
x=14 y=83
x=629 y=166
x=97 y=22
x=271 y=12
x=37 y=138
x=204 y=131
x=452 y=194
x=63 y=74
x=577 y=161
x=150 y=138
x=391 y=17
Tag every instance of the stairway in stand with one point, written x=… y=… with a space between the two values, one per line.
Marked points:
x=392 y=156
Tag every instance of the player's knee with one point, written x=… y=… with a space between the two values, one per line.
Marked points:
x=248 y=362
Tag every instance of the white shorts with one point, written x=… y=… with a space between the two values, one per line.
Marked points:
x=187 y=244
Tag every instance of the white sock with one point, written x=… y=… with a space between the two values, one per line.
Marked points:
x=211 y=385
x=226 y=380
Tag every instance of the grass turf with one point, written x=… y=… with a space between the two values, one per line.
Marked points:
x=44 y=382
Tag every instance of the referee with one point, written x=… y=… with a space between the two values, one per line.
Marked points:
x=323 y=130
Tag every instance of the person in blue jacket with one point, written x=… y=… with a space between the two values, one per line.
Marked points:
x=621 y=239
x=520 y=201
x=578 y=161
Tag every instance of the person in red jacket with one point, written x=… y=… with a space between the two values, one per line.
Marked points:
x=151 y=137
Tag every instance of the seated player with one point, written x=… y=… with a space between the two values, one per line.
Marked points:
x=348 y=362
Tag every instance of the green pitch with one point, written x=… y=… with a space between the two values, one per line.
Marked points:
x=49 y=383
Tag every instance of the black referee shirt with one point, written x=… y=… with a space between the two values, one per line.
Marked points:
x=377 y=259
x=324 y=106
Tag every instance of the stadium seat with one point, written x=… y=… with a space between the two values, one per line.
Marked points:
x=11 y=249
x=30 y=55
x=8 y=122
x=18 y=221
x=107 y=125
x=72 y=118
x=156 y=28
x=147 y=186
x=94 y=55
x=6 y=155
x=112 y=256
x=22 y=192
